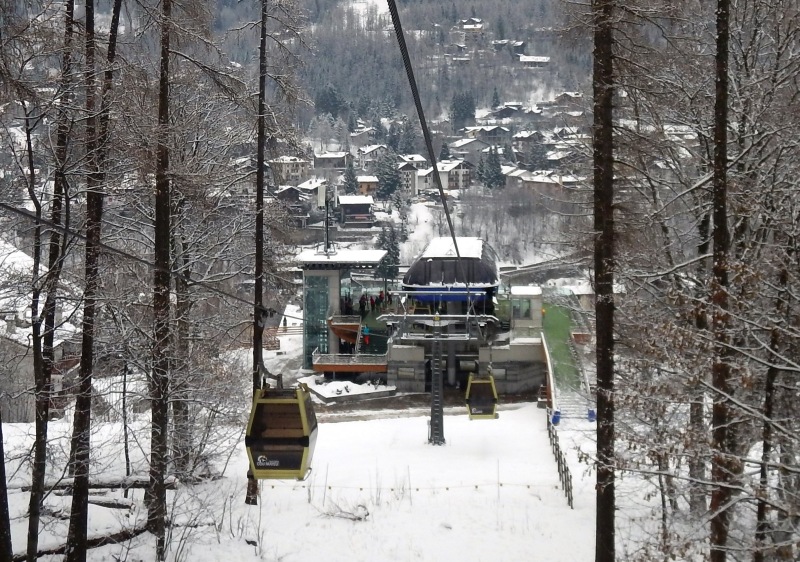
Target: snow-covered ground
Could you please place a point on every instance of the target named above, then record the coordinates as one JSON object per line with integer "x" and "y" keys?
{"x": 377, "y": 490}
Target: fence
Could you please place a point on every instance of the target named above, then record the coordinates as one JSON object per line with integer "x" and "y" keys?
{"x": 564, "y": 474}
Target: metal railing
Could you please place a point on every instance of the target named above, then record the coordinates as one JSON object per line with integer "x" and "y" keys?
{"x": 347, "y": 359}
{"x": 564, "y": 474}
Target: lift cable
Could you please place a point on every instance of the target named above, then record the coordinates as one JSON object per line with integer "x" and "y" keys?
{"x": 128, "y": 256}
{"x": 398, "y": 29}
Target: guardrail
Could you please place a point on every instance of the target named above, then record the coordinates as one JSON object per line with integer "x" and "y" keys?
{"x": 564, "y": 474}
{"x": 552, "y": 403}
{"x": 348, "y": 359}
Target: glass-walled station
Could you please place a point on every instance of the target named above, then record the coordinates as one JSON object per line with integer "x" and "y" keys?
{"x": 326, "y": 282}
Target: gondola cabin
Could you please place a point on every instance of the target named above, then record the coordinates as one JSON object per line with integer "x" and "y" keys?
{"x": 281, "y": 434}
{"x": 481, "y": 398}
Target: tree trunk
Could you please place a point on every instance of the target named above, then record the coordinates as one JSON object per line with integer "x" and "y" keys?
{"x": 722, "y": 461}
{"x": 697, "y": 418}
{"x": 182, "y": 446}
{"x": 43, "y": 353}
{"x": 6, "y": 549}
{"x": 156, "y": 496}
{"x": 81, "y": 432}
{"x": 251, "y": 496}
{"x": 603, "y": 161}
{"x": 762, "y": 524}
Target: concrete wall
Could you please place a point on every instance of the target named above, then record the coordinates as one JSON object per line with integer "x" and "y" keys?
{"x": 518, "y": 367}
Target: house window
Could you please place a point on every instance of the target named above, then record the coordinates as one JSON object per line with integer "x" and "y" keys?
{"x": 521, "y": 308}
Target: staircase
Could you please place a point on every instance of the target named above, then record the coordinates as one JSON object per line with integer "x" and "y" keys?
{"x": 571, "y": 404}
{"x": 436, "y": 431}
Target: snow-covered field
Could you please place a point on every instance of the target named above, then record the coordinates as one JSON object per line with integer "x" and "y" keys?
{"x": 377, "y": 491}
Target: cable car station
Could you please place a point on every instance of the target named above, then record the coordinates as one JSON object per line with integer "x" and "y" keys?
{"x": 450, "y": 325}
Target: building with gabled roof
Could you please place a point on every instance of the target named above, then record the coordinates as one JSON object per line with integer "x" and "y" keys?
{"x": 368, "y": 155}
{"x": 290, "y": 169}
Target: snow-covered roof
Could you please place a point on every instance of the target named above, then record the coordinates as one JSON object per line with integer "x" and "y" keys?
{"x": 356, "y": 199}
{"x": 313, "y": 183}
{"x": 413, "y": 158}
{"x": 526, "y": 291}
{"x": 460, "y": 143}
{"x": 288, "y": 160}
{"x": 442, "y": 166}
{"x": 468, "y": 247}
{"x": 336, "y": 257}
{"x": 370, "y": 148}
{"x": 331, "y": 155}
{"x": 367, "y": 179}
{"x": 533, "y": 58}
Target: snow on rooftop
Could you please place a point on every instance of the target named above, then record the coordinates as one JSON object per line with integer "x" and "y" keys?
{"x": 365, "y": 257}
{"x": 356, "y": 199}
{"x": 526, "y": 291}
{"x": 468, "y": 247}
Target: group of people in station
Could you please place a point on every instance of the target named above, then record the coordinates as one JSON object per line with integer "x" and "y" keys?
{"x": 367, "y": 304}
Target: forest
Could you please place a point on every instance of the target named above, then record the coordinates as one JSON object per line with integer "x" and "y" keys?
{"x": 134, "y": 136}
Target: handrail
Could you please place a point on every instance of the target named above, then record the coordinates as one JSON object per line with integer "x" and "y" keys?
{"x": 564, "y": 475}
{"x": 348, "y": 359}
{"x": 552, "y": 402}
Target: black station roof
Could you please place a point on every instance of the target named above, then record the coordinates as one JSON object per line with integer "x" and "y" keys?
{"x": 438, "y": 266}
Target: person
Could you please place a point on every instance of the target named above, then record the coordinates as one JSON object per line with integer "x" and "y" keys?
{"x": 365, "y": 332}
{"x": 372, "y": 303}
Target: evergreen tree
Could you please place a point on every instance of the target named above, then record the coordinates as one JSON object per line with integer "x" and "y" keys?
{"x": 508, "y": 153}
{"x": 495, "y": 98}
{"x": 444, "y": 153}
{"x": 389, "y": 180}
{"x": 493, "y": 173}
{"x": 389, "y": 266}
{"x": 350, "y": 180}
{"x": 393, "y": 138}
{"x": 462, "y": 110}
{"x": 480, "y": 173}
{"x": 329, "y": 101}
{"x": 537, "y": 157}
{"x": 407, "y": 141}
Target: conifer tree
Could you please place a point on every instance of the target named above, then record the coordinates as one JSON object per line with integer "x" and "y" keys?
{"x": 389, "y": 180}
{"x": 444, "y": 153}
{"x": 493, "y": 172}
{"x": 350, "y": 183}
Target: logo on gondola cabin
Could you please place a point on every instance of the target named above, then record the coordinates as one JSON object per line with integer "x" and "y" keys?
{"x": 262, "y": 461}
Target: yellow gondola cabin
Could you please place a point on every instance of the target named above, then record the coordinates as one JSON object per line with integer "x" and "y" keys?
{"x": 481, "y": 398}
{"x": 281, "y": 434}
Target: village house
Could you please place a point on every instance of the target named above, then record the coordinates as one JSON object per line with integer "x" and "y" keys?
{"x": 355, "y": 211}
{"x": 290, "y": 169}
{"x": 416, "y": 160}
{"x": 296, "y": 204}
{"x": 367, "y": 185}
{"x": 336, "y": 161}
{"x": 533, "y": 61}
{"x": 472, "y": 29}
{"x": 454, "y": 174}
{"x": 368, "y": 155}
{"x": 408, "y": 177}
{"x": 467, "y": 149}
{"x": 490, "y": 134}
{"x": 316, "y": 190}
